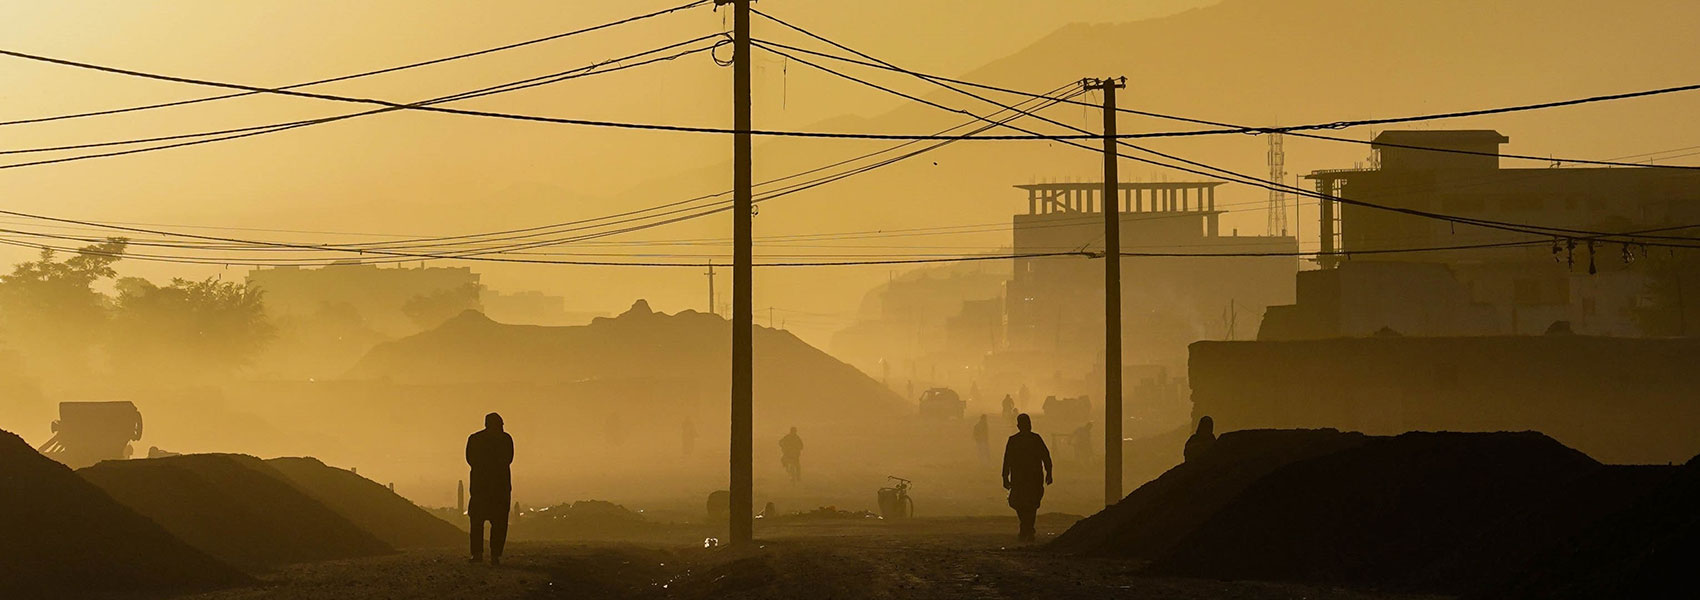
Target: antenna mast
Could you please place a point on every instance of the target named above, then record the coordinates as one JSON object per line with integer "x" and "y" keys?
{"x": 1278, "y": 177}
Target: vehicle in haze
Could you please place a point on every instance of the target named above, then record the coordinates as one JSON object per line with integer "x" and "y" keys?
{"x": 942, "y": 403}
{"x": 89, "y": 432}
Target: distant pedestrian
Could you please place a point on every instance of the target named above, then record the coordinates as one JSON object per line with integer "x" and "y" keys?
{"x": 490, "y": 453}
{"x": 791, "y": 455}
{"x": 983, "y": 438}
{"x": 1009, "y": 411}
{"x": 1025, "y": 459}
{"x": 1082, "y": 440}
{"x": 1201, "y": 441}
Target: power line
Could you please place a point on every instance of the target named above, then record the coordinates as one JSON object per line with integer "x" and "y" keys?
{"x": 1231, "y": 175}
{"x": 480, "y": 253}
{"x": 244, "y": 132}
{"x": 1016, "y": 112}
{"x": 774, "y": 194}
{"x": 367, "y": 73}
{"x": 844, "y": 263}
{"x": 1298, "y": 130}
{"x": 509, "y": 116}
{"x": 849, "y": 263}
{"x": 826, "y": 135}
{"x": 916, "y": 138}
{"x": 679, "y": 128}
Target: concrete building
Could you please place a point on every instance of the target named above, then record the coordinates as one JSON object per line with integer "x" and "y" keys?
{"x": 531, "y": 308}
{"x": 1055, "y": 306}
{"x": 1521, "y": 286}
{"x": 1616, "y": 399}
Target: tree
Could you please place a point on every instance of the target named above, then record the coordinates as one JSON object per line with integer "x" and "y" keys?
{"x": 188, "y": 329}
{"x": 430, "y": 310}
{"x": 50, "y": 313}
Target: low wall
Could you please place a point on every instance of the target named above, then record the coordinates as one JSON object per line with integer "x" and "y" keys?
{"x": 1619, "y": 400}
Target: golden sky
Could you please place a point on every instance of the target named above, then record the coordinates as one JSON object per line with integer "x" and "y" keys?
{"x": 429, "y": 174}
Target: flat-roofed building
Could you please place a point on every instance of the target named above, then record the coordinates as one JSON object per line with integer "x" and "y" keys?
{"x": 1055, "y": 305}
{"x": 1518, "y": 282}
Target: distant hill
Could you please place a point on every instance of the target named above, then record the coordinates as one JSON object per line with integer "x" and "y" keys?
{"x": 644, "y": 351}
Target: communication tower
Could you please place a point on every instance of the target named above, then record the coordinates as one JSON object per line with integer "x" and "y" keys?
{"x": 1277, "y": 178}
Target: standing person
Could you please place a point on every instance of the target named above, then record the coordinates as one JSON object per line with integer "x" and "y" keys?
{"x": 1024, "y": 458}
{"x": 791, "y": 455}
{"x": 1009, "y": 411}
{"x": 1201, "y": 441}
{"x": 490, "y": 453}
{"x": 983, "y": 438}
{"x": 1083, "y": 443}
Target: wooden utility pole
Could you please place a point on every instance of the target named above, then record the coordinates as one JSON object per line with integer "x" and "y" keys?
{"x": 742, "y": 529}
{"x": 710, "y": 275}
{"x": 1112, "y": 294}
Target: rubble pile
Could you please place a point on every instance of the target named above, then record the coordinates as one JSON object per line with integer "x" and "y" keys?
{"x": 61, "y": 536}
{"x": 1419, "y": 510}
{"x": 1452, "y": 513}
{"x": 579, "y": 519}
{"x": 373, "y": 507}
{"x": 1149, "y": 521}
{"x": 235, "y": 508}
{"x": 1647, "y": 549}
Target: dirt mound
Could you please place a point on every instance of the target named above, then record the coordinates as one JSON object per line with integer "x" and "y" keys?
{"x": 1646, "y": 550}
{"x": 1432, "y": 512}
{"x": 826, "y": 513}
{"x": 688, "y": 350}
{"x": 1406, "y": 511}
{"x": 373, "y": 507}
{"x": 580, "y": 519}
{"x": 1149, "y": 521}
{"x": 235, "y": 508}
{"x": 64, "y": 537}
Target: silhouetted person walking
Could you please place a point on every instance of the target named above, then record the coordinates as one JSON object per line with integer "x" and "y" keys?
{"x": 490, "y": 453}
{"x": 791, "y": 454}
{"x": 1025, "y": 459}
{"x": 1201, "y": 441}
{"x": 1082, "y": 440}
{"x": 983, "y": 438}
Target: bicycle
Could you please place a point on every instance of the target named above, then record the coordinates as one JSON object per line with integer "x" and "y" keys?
{"x": 894, "y": 501}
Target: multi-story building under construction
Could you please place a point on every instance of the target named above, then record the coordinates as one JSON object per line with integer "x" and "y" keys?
{"x": 1055, "y": 305}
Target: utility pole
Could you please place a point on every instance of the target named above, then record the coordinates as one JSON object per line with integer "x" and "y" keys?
{"x": 742, "y": 526}
{"x": 1112, "y": 294}
{"x": 710, "y": 274}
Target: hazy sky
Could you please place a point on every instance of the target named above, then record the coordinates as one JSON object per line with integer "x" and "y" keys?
{"x": 426, "y": 174}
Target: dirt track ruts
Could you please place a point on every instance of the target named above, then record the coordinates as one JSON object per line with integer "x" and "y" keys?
{"x": 962, "y": 558}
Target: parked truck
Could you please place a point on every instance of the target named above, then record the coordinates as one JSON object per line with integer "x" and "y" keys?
{"x": 942, "y": 403}
{"x": 90, "y": 432}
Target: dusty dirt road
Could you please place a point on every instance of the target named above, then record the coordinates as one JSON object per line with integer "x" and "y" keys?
{"x": 925, "y": 559}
